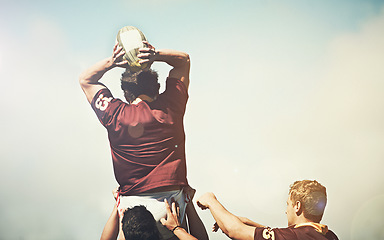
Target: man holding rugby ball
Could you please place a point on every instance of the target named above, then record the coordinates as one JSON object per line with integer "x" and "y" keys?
{"x": 146, "y": 133}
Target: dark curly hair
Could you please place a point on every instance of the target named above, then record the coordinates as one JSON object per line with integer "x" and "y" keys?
{"x": 143, "y": 82}
{"x": 139, "y": 224}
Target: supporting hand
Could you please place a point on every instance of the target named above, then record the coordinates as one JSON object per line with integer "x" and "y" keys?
{"x": 215, "y": 227}
{"x": 147, "y": 55}
{"x": 172, "y": 220}
{"x": 173, "y": 224}
{"x": 204, "y": 201}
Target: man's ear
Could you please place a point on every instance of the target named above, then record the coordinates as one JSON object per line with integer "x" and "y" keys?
{"x": 298, "y": 207}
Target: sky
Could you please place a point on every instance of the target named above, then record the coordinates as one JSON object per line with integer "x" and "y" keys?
{"x": 280, "y": 91}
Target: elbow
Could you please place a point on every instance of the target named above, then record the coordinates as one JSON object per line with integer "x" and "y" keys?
{"x": 182, "y": 60}
{"x": 82, "y": 80}
{"x": 187, "y": 59}
{"x": 233, "y": 231}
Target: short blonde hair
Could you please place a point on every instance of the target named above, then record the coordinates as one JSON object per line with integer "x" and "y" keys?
{"x": 312, "y": 196}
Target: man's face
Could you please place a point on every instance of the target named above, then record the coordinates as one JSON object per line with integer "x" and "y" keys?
{"x": 291, "y": 213}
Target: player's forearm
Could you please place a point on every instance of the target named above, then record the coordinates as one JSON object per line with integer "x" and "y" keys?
{"x": 111, "y": 229}
{"x": 93, "y": 74}
{"x": 250, "y": 222}
{"x": 223, "y": 217}
{"x": 229, "y": 223}
{"x": 172, "y": 57}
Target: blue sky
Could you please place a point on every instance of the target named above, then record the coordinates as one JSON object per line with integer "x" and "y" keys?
{"x": 280, "y": 91}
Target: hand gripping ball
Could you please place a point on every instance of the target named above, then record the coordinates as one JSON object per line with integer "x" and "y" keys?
{"x": 131, "y": 39}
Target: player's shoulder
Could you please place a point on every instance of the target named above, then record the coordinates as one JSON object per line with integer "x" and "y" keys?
{"x": 173, "y": 80}
{"x": 103, "y": 99}
{"x": 291, "y": 233}
{"x": 176, "y": 84}
{"x": 331, "y": 235}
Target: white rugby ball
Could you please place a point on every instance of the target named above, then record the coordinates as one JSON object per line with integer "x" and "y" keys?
{"x": 131, "y": 39}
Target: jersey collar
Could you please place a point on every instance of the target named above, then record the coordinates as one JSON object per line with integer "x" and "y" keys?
{"x": 323, "y": 229}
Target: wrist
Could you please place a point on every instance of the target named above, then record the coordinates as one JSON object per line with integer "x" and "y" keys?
{"x": 211, "y": 200}
{"x": 178, "y": 227}
{"x": 109, "y": 64}
{"x": 157, "y": 55}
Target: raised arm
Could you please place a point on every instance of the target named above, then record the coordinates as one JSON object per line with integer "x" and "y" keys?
{"x": 230, "y": 224}
{"x": 111, "y": 228}
{"x": 249, "y": 222}
{"x": 89, "y": 79}
{"x": 178, "y": 60}
{"x": 244, "y": 220}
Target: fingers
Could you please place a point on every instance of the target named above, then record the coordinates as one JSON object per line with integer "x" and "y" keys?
{"x": 171, "y": 220}
{"x": 167, "y": 207}
{"x": 201, "y": 205}
{"x": 215, "y": 227}
{"x": 163, "y": 221}
{"x": 148, "y": 44}
{"x": 142, "y": 61}
{"x": 117, "y": 56}
{"x": 115, "y": 192}
{"x": 146, "y": 50}
{"x": 174, "y": 211}
{"x": 115, "y": 47}
{"x": 122, "y": 63}
{"x": 146, "y": 54}
{"x": 120, "y": 54}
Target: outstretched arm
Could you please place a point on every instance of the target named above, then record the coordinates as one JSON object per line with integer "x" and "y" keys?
{"x": 111, "y": 228}
{"x": 173, "y": 224}
{"x": 230, "y": 224}
{"x": 249, "y": 222}
{"x": 89, "y": 79}
{"x": 178, "y": 60}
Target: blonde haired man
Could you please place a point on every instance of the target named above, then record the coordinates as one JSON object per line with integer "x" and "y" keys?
{"x": 305, "y": 207}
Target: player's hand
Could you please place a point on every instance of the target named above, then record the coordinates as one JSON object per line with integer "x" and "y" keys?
{"x": 117, "y": 57}
{"x": 147, "y": 54}
{"x": 215, "y": 227}
{"x": 115, "y": 192}
{"x": 172, "y": 216}
{"x": 205, "y": 199}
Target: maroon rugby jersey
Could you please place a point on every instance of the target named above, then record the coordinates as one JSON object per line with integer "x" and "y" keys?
{"x": 147, "y": 139}
{"x": 292, "y": 233}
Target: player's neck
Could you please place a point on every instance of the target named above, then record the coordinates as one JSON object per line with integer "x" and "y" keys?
{"x": 317, "y": 226}
{"x": 143, "y": 97}
{"x": 146, "y": 98}
{"x": 302, "y": 220}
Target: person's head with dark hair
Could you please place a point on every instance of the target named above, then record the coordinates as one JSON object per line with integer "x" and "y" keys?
{"x": 308, "y": 199}
{"x": 138, "y": 224}
{"x": 140, "y": 83}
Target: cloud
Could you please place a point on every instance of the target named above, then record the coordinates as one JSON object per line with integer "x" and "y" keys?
{"x": 248, "y": 135}
{"x": 338, "y": 134}
{"x": 324, "y": 125}
{"x": 46, "y": 149}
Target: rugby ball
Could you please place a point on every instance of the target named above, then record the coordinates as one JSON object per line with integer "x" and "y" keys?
{"x": 131, "y": 39}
